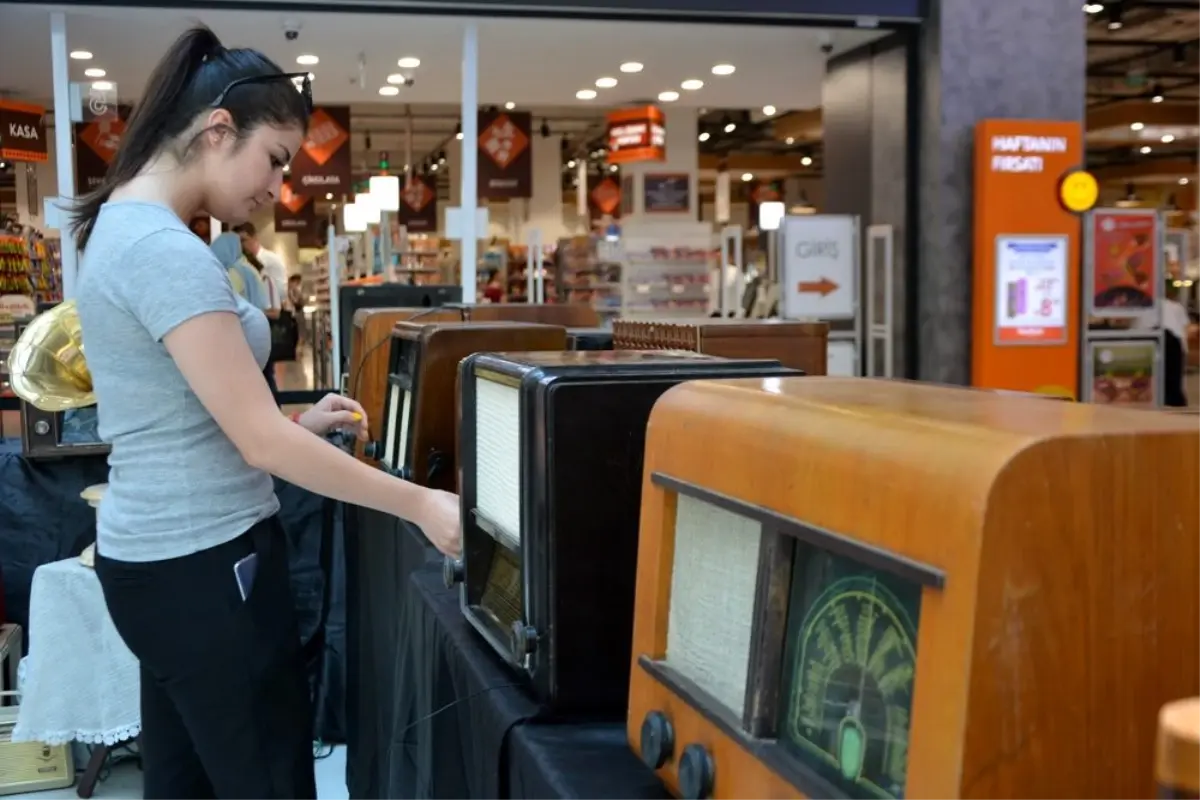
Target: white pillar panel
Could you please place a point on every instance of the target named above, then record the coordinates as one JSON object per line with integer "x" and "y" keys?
{"x": 63, "y": 155}
{"x": 546, "y": 206}
{"x": 470, "y": 159}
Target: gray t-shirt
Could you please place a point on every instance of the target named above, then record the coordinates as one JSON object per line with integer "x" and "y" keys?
{"x": 177, "y": 484}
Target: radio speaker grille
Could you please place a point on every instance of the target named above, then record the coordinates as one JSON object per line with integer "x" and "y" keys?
{"x": 713, "y": 582}
{"x": 498, "y": 456}
{"x": 395, "y": 448}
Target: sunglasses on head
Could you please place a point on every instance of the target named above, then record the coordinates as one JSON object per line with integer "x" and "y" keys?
{"x": 304, "y": 86}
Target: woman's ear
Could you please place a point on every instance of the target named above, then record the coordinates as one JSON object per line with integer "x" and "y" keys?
{"x": 218, "y": 125}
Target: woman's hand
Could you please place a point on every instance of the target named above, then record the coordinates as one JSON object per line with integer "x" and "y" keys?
{"x": 335, "y": 412}
{"x": 440, "y": 521}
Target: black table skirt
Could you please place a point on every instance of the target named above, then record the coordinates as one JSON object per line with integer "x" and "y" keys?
{"x": 577, "y": 761}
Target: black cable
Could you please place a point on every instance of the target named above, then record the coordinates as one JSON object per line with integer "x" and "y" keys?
{"x": 451, "y": 705}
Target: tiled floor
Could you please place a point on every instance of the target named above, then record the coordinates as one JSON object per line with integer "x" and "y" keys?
{"x": 125, "y": 782}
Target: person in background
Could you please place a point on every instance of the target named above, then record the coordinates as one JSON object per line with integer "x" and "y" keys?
{"x": 245, "y": 279}
{"x": 295, "y": 299}
{"x": 1175, "y": 323}
{"x": 190, "y": 552}
{"x": 272, "y": 265}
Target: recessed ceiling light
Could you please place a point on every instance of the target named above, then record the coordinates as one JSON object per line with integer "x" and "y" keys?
{"x": 1168, "y": 138}
{"x": 692, "y": 84}
{"x": 102, "y": 86}
{"x": 631, "y": 67}
{"x": 1146, "y": 150}
{"x": 806, "y": 161}
{"x": 668, "y": 97}
{"x": 1093, "y": 8}
{"x": 397, "y": 79}
{"x": 704, "y": 137}
{"x": 510, "y": 105}
{"x": 81, "y": 55}
{"x": 730, "y": 127}
{"x": 613, "y": 168}
{"x": 329, "y": 195}
{"x": 585, "y": 94}
{"x": 94, "y": 72}
{"x": 747, "y": 177}
{"x": 389, "y": 91}
{"x": 1183, "y": 181}
{"x": 1136, "y": 126}
{"x": 409, "y": 62}
{"x": 790, "y": 140}
{"x": 605, "y": 83}
{"x": 724, "y": 69}
{"x": 769, "y": 111}
{"x": 307, "y": 60}
{"x": 571, "y": 164}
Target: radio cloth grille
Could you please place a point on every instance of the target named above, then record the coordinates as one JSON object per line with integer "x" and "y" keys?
{"x": 498, "y": 456}
{"x": 713, "y": 581}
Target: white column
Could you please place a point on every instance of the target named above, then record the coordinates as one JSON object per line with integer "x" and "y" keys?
{"x": 470, "y": 159}
{"x": 546, "y": 206}
{"x": 581, "y": 192}
{"x": 62, "y": 146}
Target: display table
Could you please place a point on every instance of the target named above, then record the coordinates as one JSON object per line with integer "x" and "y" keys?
{"x": 582, "y": 761}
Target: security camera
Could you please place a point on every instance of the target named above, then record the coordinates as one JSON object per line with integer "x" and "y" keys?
{"x": 825, "y": 42}
{"x": 291, "y": 29}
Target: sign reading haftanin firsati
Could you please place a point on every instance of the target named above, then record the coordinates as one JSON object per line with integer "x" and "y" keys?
{"x": 1024, "y": 153}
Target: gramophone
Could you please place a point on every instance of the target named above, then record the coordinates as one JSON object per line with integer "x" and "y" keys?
{"x": 550, "y": 463}
{"x": 47, "y": 371}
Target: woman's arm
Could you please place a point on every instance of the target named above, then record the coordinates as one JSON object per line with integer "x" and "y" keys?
{"x": 212, "y": 354}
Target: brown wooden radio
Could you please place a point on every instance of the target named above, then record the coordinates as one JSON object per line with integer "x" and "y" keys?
{"x": 368, "y": 365}
{"x": 418, "y": 437}
{"x": 569, "y": 315}
{"x": 799, "y": 345}
{"x": 871, "y": 588}
{"x": 1177, "y": 751}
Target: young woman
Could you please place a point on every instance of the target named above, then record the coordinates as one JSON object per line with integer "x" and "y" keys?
{"x": 189, "y": 552}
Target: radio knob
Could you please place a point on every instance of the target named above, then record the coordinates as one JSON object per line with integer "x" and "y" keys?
{"x": 522, "y": 641}
{"x": 373, "y": 450}
{"x": 696, "y": 773}
{"x": 452, "y": 571}
{"x": 658, "y": 739}
{"x": 41, "y": 427}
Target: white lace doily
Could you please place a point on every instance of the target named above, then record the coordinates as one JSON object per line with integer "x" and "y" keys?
{"x": 79, "y": 681}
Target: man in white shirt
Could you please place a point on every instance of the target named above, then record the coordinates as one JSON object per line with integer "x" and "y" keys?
{"x": 273, "y": 269}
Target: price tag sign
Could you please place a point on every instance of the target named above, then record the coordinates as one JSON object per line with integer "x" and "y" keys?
{"x": 1031, "y": 290}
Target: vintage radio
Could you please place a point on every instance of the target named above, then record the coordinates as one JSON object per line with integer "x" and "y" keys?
{"x": 370, "y": 345}
{"x": 60, "y": 434}
{"x": 800, "y": 345}
{"x": 589, "y": 339}
{"x": 352, "y": 299}
{"x": 569, "y": 315}
{"x": 419, "y": 430}
{"x": 1177, "y": 750}
{"x": 870, "y": 588}
{"x": 550, "y": 452}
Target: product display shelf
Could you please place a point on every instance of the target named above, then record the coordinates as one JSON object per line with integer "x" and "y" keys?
{"x": 589, "y": 271}
{"x": 45, "y": 270}
{"x": 518, "y": 278}
{"x": 666, "y": 280}
{"x": 16, "y": 265}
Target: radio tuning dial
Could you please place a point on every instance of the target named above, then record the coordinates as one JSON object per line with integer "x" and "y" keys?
{"x": 658, "y": 739}
{"x": 41, "y": 427}
{"x": 452, "y": 571}
{"x": 373, "y": 450}
{"x": 696, "y": 773}
{"x": 522, "y": 641}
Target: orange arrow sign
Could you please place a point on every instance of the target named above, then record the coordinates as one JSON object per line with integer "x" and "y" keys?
{"x": 822, "y": 287}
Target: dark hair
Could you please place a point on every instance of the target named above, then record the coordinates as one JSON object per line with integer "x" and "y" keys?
{"x": 246, "y": 228}
{"x": 195, "y": 71}
{"x": 252, "y": 260}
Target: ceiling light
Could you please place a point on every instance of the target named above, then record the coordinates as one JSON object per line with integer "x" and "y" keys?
{"x": 1168, "y": 138}
{"x": 806, "y": 161}
{"x": 102, "y": 86}
{"x": 1137, "y": 126}
{"x": 769, "y": 111}
{"x": 571, "y": 164}
{"x": 433, "y": 167}
{"x": 1156, "y": 95}
{"x": 747, "y": 177}
{"x": 631, "y": 67}
{"x": 510, "y": 105}
{"x": 585, "y": 94}
{"x": 705, "y": 136}
{"x": 668, "y": 97}
{"x": 1093, "y": 8}
{"x": 1183, "y": 181}
{"x": 605, "y": 83}
{"x": 1114, "y": 18}
{"x": 1146, "y": 150}
{"x": 458, "y": 136}
{"x": 389, "y": 91}
{"x": 329, "y": 195}
{"x": 691, "y": 84}
{"x": 457, "y": 133}
{"x": 730, "y": 127}
{"x": 409, "y": 62}
{"x": 613, "y": 168}
{"x": 790, "y": 140}
{"x": 397, "y": 79}
{"x": 307, "y": 60}
{"x": 724, "y": 69}
{"x": 81, "y": 55}
{"x": 94, "y": 72}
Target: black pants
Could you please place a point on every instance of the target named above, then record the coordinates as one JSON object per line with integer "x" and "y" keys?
{"x": 1174, "y": 359}
{"x": 226, "y": 711}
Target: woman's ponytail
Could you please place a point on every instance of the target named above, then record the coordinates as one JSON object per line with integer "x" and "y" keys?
{"x": 158, "y": 117}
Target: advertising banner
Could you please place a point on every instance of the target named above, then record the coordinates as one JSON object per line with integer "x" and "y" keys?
{"x": 22, "y": 132}
{"x": 505, "y": 154}
{"x": 1124, "y": 268}
{"x": 96, "y": 146}
{"x": 604, "y": 197}
{"x": 1124, "y": 372}
{"x": 666, "y": 193}
{"x": 636, "y": 134}
{"x": 297, "y": 213}
{"x": 323, "y": 163}
{"x": 418, "y": 205}
{"x": 1031, "y": 289}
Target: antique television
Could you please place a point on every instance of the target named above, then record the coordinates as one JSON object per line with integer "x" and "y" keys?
{"x": 419, "y": 430}
{"x": 800, "y": 345}
{"x": 370, "y": 345}
{"x": 569, "y": 315}
{"x": 388, "y": 295}
{"x": 870, "y": 588}
{"x": 551, "y": 451}
{"x": 589, "y": 339}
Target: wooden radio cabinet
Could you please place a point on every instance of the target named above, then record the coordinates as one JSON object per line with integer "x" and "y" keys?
{"x": 872, "y": 588}
{"x": 799, "y": 345}
{"x": 569, "y": 315}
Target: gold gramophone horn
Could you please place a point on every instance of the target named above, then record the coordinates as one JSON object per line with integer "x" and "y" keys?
{"x": 46, "y": 366}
